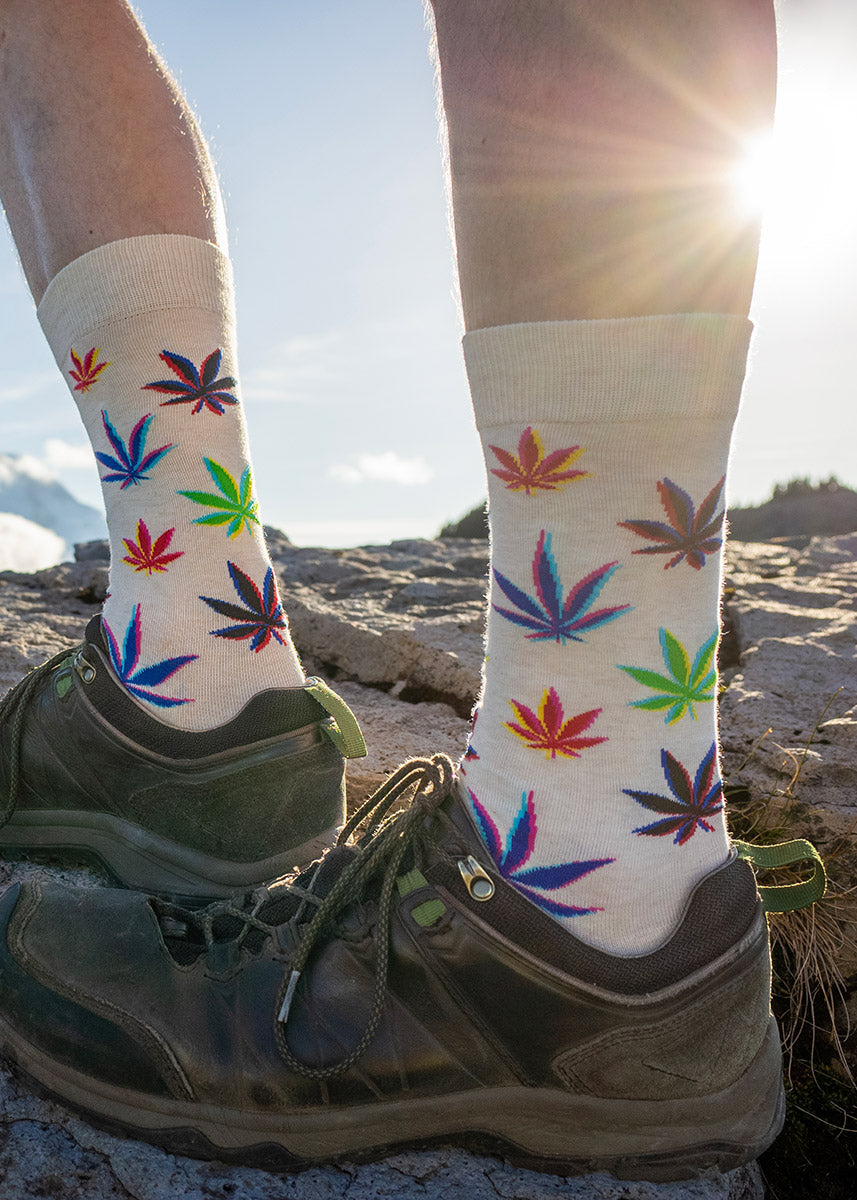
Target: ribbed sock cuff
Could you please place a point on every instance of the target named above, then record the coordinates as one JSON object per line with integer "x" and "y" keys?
{"x": 628, "y": 369}
{"x": 124, "y": 279}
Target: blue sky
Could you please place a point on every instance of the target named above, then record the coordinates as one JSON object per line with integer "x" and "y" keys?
{"x": 322, "y": 122}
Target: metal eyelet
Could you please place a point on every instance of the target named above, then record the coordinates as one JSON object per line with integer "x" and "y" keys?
{"x": 479, "y": 883}
{"x": 85, "y": 669}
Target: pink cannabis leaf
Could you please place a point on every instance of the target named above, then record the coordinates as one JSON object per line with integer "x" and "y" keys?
{"x": 146, "y": 555}
{"x": 548, "y": 730}
{"x": 532, "y": 470}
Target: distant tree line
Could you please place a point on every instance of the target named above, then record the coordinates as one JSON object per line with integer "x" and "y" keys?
{"x": 797, "y": 508}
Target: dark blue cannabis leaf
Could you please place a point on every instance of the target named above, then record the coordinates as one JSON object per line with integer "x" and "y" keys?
{"x": 548, "y": 616}
{"x": 260, "y": 618}
{"x": 130, "y": 461}
{"x": 512, "y": 858}
{"x": 139, "y": 682}
{"x": 690, "y": 534}
{"x": 201, "y": 387}
{"x": 694, "y": 800}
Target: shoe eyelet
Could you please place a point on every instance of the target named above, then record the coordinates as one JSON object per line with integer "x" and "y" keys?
{"x": 479, "y": 883}
{"x": 85, "y": 669}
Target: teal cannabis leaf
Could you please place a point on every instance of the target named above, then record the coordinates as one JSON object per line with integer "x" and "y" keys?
{"x": 234, "y": 506}
{"x": 687, "y": 683}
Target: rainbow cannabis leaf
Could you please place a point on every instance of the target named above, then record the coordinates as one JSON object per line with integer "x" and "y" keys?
{"x": 130, "y": 462}
{"x": 235, "y": 505}
{"x": 691, "y": 534}
{"x": 262, "y": 617}
{"x": 512, "y": 858}
{"x": 687, "y": 683}
{"x": 547, "y": 730}
{"x": 201, "y": 388}
{"x": 86, "y": 370}
{"x": 549, "y": 617}
{"x": 140, "y": 682}
{"x": 143, "y": 555}
{"x": 694, "y": 800}
{"x": 531, "y": 470}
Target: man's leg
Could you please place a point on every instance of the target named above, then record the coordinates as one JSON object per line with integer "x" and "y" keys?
{"x": 414, "y": 986}
{"x": 114, "y": 206}
{"x": 591, "y": 146}
{"x": 591, "y": 157}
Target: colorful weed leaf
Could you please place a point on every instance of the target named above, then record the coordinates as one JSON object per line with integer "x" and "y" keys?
{"x": 128, "y": 463}
{"x": 146, "y": 555}
{"x": 690, "y": 534}
{"x": 548, "y": 729}
{"x": 532, "y": 470}
{"x": 547, "y": 615}
{"x": 199, "y": 387}
{"x": 234, "y": 506}
{"x": 512, "y": 858}
{"x": 687, "y": 684}
{"x": 87, "y": 369}
{"x": 259, "y": 617}
{"x": 693, "y": 801}
{"x": 140, "y": 680}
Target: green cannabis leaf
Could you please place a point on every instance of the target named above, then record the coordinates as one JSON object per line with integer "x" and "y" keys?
{"x": 234, "y": 507}
{"x": 687, "y": 683}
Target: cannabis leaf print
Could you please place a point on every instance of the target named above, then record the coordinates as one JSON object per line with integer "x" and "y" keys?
{"x": 547, "y": 615}
{"x": 690, "y": 534}
{"x": 687, "y": 683}
{"x": 87, "y": 369}
{"x": 234, "y": 506}
{"x": 532, "y": 470}
{"x": 259, "y": 618}
{"x": 140, "y": 681}
{"x": 512, "y": 858}
{"x": 128, "y": 463}
{"x": 146, "y": 555}
{"x": 548, "y": 729}
{"x": 693, "y": 801}
{"x": 199, "y": 387}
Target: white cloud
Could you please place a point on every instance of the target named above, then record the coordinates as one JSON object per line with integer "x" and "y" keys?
{"x": 389, "y": 467}
{"x": 65, "y": 456}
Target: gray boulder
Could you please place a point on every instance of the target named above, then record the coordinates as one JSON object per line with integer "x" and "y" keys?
{"x": 398, "y": 630}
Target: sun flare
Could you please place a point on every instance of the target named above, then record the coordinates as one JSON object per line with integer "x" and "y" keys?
{"x": 758, "y": 174}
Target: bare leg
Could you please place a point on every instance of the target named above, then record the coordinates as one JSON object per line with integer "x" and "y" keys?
{"x": 115, "y": 209}
{"x": 96, "y": 141}
{"x": 590, "y": 147}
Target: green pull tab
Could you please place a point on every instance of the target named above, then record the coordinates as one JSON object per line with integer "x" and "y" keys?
{"x": 789, "y": 896}
{"x": 343, "y": 730}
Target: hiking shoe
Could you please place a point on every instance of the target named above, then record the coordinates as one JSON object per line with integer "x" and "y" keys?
{"x": 84, "y": 767}
{"x": 399, "y": 992}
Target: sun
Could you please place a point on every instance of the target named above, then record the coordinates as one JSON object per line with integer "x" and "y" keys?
{"x": 801, "y": 174}
{"x": 758, "y": 175}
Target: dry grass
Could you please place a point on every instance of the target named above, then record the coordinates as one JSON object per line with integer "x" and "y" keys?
{"x": 807, "y": 945}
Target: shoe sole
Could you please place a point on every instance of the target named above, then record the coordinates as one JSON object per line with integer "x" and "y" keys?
{"x": 145, "y": 861}
{"x": 539, "y": 1128}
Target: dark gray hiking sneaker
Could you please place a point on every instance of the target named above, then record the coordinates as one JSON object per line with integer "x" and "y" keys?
{"x": 84, "y": 767}
{"x": 399, "y": 992}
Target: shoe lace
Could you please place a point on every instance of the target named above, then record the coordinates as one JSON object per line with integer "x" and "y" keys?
{"x": 311, "y": 903}
{"x": 14, "y": 704}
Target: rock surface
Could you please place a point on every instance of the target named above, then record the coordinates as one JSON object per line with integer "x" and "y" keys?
{"x": 398, "y": 629}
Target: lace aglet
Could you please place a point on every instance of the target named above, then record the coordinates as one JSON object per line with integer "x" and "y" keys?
{"x": 283, "y": 1014}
